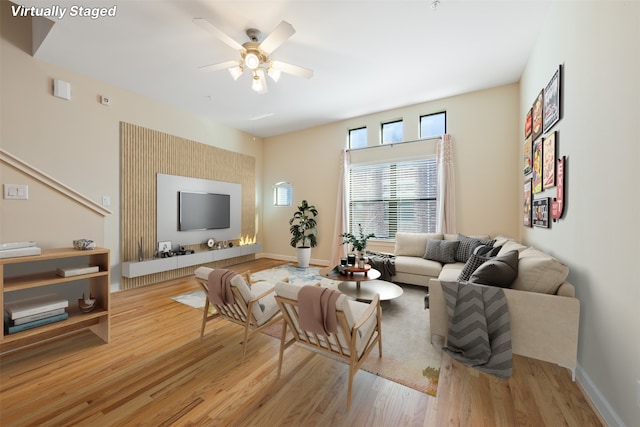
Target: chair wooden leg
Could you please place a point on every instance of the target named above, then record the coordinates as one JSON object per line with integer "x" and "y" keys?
{"x": 245, "y": 342}
{"x": 351, "y": 374}
{"x": 205, "y": 315}
{"x": 283, "y": 336}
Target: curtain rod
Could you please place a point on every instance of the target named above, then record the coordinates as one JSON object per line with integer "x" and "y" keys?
{"x": 394, "y": 144}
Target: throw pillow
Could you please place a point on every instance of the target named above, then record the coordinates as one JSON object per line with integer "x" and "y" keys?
{"x": 441, "y": 250}
{"x": 499, "y": 271}
{"x": 487, "y": 251}
{"x": 471, "y": 266}
{"x": 467, "y": 245}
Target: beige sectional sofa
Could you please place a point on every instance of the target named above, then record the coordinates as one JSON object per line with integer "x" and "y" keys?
{"x": 543, "y": 311}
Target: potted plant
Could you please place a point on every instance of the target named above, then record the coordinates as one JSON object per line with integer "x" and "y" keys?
{"x": 303, "y": 232}
{"x": 358, "y": 242}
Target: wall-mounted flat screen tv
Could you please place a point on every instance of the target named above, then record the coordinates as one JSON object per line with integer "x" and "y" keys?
{"x": 203, "y": 211}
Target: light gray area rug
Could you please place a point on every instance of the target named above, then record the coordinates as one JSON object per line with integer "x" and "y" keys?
{"x": 408, "y": 357}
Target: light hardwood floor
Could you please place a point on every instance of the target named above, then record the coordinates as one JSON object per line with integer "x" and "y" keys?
{"x": 157, "y": 372}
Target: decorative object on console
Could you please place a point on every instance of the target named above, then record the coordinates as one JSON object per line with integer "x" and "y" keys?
{"x": 541, "y": 212}
{"x": 164, "y": 247}
{"x": 549, "y": 161}
{"x": 84, "y": 244}
{"x": 211, "y": 243}
{"x": 551, "y": 106}
{"x": 140, "y": 253}
{"x": 303, "y": 231}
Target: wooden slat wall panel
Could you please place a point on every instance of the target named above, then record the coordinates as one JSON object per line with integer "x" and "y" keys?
{"x": 146, "y": 152}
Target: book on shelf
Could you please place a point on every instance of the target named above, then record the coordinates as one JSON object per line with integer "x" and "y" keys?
{"x": 37, "y": 316}
{"x": 29, "y": 306}
{"x": 16, "y": 245}
{"x": 36, "y": 323}
{"x": 19, "y": 252}
{"x": 76, "y": 271}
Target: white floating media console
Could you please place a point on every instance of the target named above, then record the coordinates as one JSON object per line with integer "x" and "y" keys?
{"x": 158, "y": 265}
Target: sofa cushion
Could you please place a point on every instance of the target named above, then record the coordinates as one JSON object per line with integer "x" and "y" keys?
{"x": 417, "y": 265}
{"x": 539, "y": 272}
{"x": 467, "y": 245}
{"x": 413, "y": 244}
{"x": 487, "y": 250}
{"x": 511, "y": 245}
{"x": 498, "y": 271}
{"x": 443, "y": 251}
{"x": 470, "y": 266}
{"x": 450, "y": 272}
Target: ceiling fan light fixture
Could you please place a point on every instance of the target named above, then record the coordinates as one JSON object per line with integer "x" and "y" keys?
{"x": 235, "y": 72}
{"x": 259, "y": 82}
{"x": 252, "y": 60}
{"x": 274, "y": 73}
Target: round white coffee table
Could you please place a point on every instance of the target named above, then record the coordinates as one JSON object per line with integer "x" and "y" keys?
{"x": 362, "y": 286}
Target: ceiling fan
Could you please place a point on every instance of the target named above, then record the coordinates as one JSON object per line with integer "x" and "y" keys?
{"x": 255, "y": 55}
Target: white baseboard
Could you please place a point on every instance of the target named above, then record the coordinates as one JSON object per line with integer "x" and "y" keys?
{"x": 600, "y": 403}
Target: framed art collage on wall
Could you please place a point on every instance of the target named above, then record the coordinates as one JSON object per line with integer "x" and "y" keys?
{"x": 540, "y": 157}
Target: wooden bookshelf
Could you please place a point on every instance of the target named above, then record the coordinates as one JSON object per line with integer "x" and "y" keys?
{"x": 36, "y": 273}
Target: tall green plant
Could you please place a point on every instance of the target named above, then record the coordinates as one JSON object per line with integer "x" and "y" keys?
{"x": 303, "y": 226}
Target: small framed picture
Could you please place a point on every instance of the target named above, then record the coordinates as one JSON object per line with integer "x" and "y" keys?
{"x": 526, "y": 203}
{"x": 527, "y": 124}
{"x": 537, "y": 111}
{"x": 537, "y": 166}
{"x": 164, "y": 246}
{"x": 527, "y": 157}
{"x": 549, "y": 161}
{"x": 540, "y": 211}
{"x": 551, "y": 106}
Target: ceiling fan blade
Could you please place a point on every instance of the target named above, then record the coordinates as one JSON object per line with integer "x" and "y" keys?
{"x": 292, "y": 69}
{"x": 208, "y": 26}
{"x": 279, "y": 35}
{"x": 219, "y": 66}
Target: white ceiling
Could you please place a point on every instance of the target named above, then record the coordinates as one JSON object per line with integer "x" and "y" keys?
{"x": 367, "y": 56}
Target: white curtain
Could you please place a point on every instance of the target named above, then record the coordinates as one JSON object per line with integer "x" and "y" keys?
{"x": 339, "y": 250}
{"x": 446, "y": 193}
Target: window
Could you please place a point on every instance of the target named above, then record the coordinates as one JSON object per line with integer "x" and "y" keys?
{"x": 392, "y": 131}
{"x": 390, "y": 197}
{"x": 282, "y": 194}
{"x": 433, "y": 125}
{"x": 358, "y": 138}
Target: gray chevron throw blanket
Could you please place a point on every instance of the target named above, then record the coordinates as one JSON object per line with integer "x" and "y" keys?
{"x": 479, "y": 328}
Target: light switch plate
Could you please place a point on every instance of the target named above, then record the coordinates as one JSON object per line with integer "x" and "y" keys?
{"x": 16, "y": 192}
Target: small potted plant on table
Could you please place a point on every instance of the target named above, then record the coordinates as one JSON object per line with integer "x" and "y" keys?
{"x": 358, "y": 242}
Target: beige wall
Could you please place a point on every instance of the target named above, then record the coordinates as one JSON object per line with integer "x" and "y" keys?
{"x": 598, "y": 235}
{"x": 484, "y": 126}
{"x": 77, "y": 141}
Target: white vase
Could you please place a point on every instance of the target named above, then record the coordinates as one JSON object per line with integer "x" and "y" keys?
{"x": 304, "y": 255}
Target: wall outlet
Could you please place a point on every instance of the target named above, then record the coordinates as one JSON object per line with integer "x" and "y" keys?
{"x": 106, "y": 200}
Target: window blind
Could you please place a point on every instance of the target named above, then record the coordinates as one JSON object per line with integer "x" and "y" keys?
{"x": 390, "y": 197}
